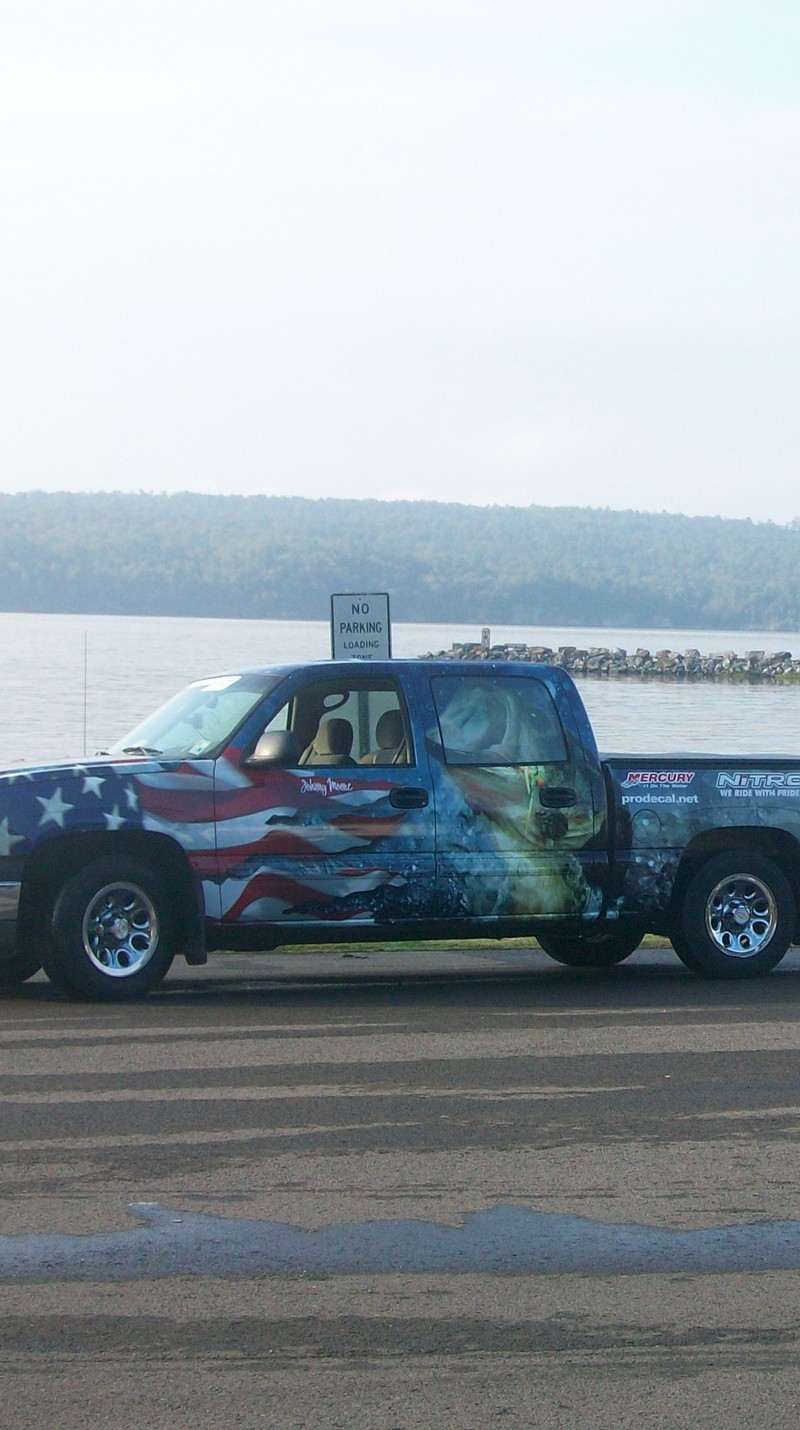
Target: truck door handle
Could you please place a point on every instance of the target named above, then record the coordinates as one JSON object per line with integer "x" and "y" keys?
{"x": 408, "y": 797}
{"x": 557, "y": 797}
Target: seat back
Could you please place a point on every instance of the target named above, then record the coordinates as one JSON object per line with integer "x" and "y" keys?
{"x": 331, "y": 745}
{"x": 391, "y": 741}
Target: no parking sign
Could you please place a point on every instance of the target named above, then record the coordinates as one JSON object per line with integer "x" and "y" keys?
{"x": 360, "y": 626}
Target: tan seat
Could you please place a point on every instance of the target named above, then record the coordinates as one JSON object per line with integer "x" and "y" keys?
{"x": 331, "y": 745}
{"x": 391, "y": 741}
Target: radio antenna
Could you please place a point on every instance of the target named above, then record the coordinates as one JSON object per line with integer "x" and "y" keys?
{"x": 85, "y": 684}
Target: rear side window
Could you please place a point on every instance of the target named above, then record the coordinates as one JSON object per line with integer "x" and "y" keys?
{"x": 499, "y": 721}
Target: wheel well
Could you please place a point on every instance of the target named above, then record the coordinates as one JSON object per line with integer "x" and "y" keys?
{"x": 774, "y": 844}
{"x": 58, "y": 859}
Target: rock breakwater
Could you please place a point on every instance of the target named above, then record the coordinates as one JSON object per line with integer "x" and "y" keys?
{"x": 614, "y": 663}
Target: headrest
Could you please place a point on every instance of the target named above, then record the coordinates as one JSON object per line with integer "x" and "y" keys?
{"x": 334, "y": 737}
{"x": 389, "y": 731}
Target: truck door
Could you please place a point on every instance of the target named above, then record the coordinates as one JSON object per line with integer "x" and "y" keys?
{"x": 513, "y": 800}
{"x": 340, "y": 830}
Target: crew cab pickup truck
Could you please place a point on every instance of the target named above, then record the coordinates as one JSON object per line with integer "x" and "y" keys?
{"x": 397, "y": 800}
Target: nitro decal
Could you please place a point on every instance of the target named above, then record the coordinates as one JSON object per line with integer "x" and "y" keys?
{"x": 659, "y": 787}
{"x": 767, "y": 784}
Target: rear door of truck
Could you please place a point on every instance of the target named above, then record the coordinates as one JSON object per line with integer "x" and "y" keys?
{"x": 518, "y": 812}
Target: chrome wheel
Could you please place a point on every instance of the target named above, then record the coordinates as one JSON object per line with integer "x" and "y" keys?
{"x": 113, "y": 931}
{"x": 736, "y": 917}
{"x": 741, "y": 916}
{"x": 120, "y": 930}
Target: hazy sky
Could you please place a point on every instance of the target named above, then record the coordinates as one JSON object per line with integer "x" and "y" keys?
{"x": 474, "y": 250}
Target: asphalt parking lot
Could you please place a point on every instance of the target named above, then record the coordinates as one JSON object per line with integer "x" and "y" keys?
{"x": 389, "y": 1189}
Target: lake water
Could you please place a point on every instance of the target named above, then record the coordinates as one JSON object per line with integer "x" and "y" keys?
{"x": 74, "y": 684}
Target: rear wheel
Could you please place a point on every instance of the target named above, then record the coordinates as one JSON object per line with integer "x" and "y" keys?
{"x": 684, "y": 952}
{"x": 738, "y": 917}
{"x": 113, "y": 932}
{"x": 591, "y": 950}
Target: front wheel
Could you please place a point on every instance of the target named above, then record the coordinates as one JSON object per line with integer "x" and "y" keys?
{"x": 14, "y": 971}
{"x": 591, "y": 950}
{"x": 738, "y": 917}
{"x": 113, "y": 932}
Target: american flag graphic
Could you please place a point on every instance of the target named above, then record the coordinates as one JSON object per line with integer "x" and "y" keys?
{"x": 287, "y": 845}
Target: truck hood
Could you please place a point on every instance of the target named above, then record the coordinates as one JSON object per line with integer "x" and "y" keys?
{"x": 78, "y": 769}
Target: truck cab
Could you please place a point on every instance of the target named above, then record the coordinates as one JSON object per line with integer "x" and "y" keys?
{"x": 336, "y": 800}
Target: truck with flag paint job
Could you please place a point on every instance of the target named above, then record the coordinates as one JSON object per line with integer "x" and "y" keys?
{"x": 346, "y": 800}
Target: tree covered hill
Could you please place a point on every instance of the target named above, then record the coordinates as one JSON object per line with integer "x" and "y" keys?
{"x": 281, "y": 557}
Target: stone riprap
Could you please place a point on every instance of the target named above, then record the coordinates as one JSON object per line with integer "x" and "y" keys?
{"x": 613, "y": 662}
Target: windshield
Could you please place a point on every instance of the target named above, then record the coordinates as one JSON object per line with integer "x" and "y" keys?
{"x": 201, "y": 719}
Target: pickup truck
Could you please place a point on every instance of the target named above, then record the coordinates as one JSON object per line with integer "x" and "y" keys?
{"x": 347, "y": 800}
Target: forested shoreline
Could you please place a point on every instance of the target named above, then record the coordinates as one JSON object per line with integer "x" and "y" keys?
{"x": 281, "y": 557}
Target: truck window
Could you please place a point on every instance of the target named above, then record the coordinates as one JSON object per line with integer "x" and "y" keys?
{"x": 200, "y": 719}
{"x": 497, "y": 721}
{"x": 370, "y": 713}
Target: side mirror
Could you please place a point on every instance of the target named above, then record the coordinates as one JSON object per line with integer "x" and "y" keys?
{"x": 275, "y": 747}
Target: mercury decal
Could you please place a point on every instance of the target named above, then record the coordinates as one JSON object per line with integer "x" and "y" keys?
{"x": 658, "y": 777}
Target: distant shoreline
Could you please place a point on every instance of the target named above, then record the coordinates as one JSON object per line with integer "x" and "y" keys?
{"x": 281, "y": 558}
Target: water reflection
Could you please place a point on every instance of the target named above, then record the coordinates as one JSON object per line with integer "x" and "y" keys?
{"x": 504, "y": 1240}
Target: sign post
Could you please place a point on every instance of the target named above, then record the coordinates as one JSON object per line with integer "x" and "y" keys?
{"x": 360, "y": 626}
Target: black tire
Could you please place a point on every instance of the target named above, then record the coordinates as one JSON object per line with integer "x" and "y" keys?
{"x": 113, "y": 932}
{"x": 684, "y": 952}
{"x": 14, "y": 971}
{"x": 591, "y": 950}
{"x": 737, "y": 919}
